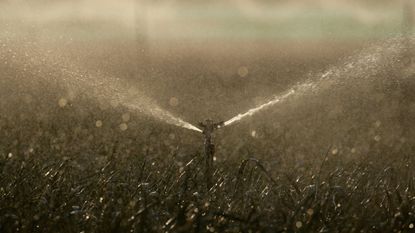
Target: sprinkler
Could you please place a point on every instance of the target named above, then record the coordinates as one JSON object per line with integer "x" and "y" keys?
{"x": 208, "y": 127}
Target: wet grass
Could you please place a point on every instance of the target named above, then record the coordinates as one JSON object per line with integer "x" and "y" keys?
{"x": 60, "y": 173}
{"x": 45, "y": 193}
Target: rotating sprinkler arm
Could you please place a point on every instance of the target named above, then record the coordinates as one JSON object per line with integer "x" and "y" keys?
{"x": 208, "y": 126}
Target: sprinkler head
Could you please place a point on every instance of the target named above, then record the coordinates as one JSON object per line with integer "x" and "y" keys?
{"x": 209, "y": 125}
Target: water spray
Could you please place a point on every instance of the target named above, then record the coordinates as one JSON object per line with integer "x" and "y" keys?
{"x": 365, "y": 65}
{"x": 103, "y": 88}
{"x": 208, "y": 127}
{"x": 252, "y": 111}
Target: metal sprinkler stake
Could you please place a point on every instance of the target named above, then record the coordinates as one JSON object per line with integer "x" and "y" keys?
{"x": 207, "y": 130}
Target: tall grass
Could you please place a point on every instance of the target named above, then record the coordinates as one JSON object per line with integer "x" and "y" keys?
{"x": 43, "y": 193}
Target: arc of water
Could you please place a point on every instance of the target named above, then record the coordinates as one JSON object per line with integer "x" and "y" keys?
{"x": 102, "y": 88}
{"x": 252, "y": 111}
{"x": 166, "y": 116}
{"x": 145, "y": 106}
{"x": 366, "y": 64}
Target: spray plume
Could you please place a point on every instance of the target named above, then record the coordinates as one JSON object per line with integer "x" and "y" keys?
{"x": 259, "y": 108}
{"x": 114, "y": 90}
{"x": 366, "y": 64}
{"x": 47, "y": 67}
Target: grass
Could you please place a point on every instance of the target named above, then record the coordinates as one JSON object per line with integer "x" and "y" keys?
{"x": 60, "y": 173}
{"x": 44, "y": 193}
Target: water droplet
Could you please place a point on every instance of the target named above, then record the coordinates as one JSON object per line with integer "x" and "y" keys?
{"x": 174, "y": 101}
{"x": 98, "y": 123}
{"x": 132, "y": 203}
{"x": 123, "y": 127}
{"x": 62, "y": 102}
{"x": 411, "y": 226}
{"x": 243, "y": 71}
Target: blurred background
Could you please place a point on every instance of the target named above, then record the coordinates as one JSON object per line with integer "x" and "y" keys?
{"x": 204, "y": 59}
{"x": 165, "y": 44}
{"x": 215, "y": 20}
{"x": 220, "y": 20}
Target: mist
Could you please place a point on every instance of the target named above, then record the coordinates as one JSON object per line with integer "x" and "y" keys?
{"x": 193, "y": 116}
